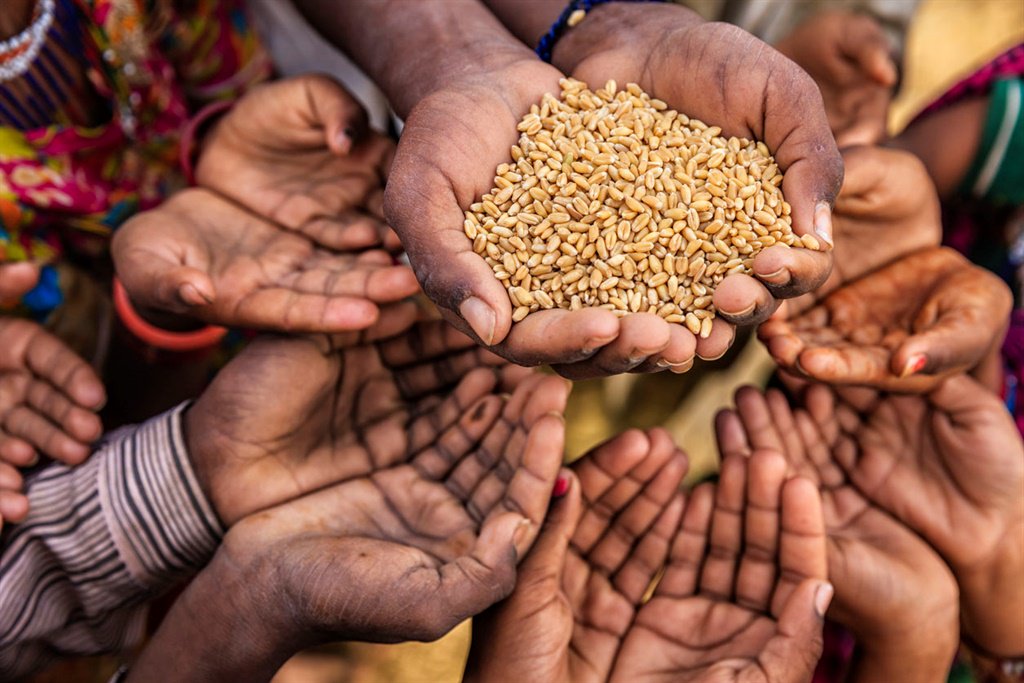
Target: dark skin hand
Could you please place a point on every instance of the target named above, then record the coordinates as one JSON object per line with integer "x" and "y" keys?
{"x": 726, "y": 77}
{"x": 949, "y": 465}
{"x": 886, "y": 209}
{"x": 292, "y": 415}
{"x": 403, "y": 551}
{"x": 581, "y": 585}
{"x": 904, "y": 327}
{"x": 912, "y": 616}
{"x": 848, "y": 56}
{"x": 48, "y": 397}
{"x": 298, "y": 153}
{"x": 203, "y": 257}
{"x": 744, "y": 592}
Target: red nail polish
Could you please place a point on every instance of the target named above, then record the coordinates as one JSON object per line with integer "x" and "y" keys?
{"x": 561, "y": 487}
{"x": 914, "y": 365}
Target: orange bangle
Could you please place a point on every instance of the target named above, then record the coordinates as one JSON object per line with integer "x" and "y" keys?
{"x": 163, "y": 339}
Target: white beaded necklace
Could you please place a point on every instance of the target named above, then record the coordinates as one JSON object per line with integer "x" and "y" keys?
{"x": 26, "y": 44}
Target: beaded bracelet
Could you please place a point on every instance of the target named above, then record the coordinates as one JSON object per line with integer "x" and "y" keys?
{"x": 572, "y": 15}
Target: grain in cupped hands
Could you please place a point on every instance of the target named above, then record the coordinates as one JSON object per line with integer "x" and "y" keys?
{"x": 613, "y": 200}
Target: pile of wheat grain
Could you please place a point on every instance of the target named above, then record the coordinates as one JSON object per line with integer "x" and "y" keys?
{"x": 612, "y": 200}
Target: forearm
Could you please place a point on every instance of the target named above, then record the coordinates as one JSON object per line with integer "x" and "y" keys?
{"x": 527, "y": 19}
{"x": 220, "y": 628}
{"x": 992, "y": 600}
{"x": 904, "y": 662}
{"x": 410, "y": 49}
{"x": 101, "y": 538}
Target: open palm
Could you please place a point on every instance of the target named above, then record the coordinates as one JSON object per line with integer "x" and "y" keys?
{"x": 743, "y": 593}
{"x": 203, "y": 256}
{"x": 903, "y": 327}
{"x": 870, "y": 552}
{"x": 407, "y": 550}
{"x": 297, "y": 153}
{"x": 580, "y": 586}
{"x": 291, "y": 415}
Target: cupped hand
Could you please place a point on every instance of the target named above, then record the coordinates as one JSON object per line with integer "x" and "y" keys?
{"x": 887, "y": 208}
{"x": 579, "y": 588}
{"x": 949, "y": 465}
{"x": 849, "y": 57}
{"x": 201, "y": 256}
{"x": 453, "y": 141}
{"x": 744, "y": 592}
{"x": 727, "y": 78}
{"x": 292, "y": 415}
{"x": 298, "y": 153}
{"x": 913, "y": 606}
{"x": 48, "y": 403}
{"x": 904, "y": 327}
{"x": 408, "y": 549}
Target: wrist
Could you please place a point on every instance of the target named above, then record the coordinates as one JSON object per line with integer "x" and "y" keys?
{"x": 224, "y": 625}
{"x": 910, "y": 658}
{"x": 617, "y": 30}
{"x": 992, "y": 598}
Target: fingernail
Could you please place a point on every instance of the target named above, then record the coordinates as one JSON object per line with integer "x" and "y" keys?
{"x": 779, "y": 277}
{"x": 680, "y": 368}
{"x": 823, "y": 598}
{"x": 561, "y": 486}
{"x": 480, "y": 317}
{"x": 519, "y": 536}
{"x": 345, "y": 140}
{"x": 746, "y": 311}
{"x": 191, "y": 295}
{"x": 595, "y": 344}
{"x": 33, "y": 461}
{"x": 914, "y": 365}
{"x": 823, "y": 222}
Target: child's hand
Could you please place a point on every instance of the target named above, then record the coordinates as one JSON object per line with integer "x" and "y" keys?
{"x": 886, "y": 209}
{"x": 298, "y": 153}
{"x": 48, "y": 402}
{"x": 909, "y": 623}
{"x": 201, "y": 256}
{"x": 950, "y": 465}
{"x": 745, "y": 590}
{"x": 849, "y": 57}
{"x": 16, "y": 279}
{"x": 599, "y": 550}
{"x": 903, "y": 327}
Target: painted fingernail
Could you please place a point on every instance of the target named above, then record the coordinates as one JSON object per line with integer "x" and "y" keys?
{"x": 914, "y": 365}
{"x": 480, "y": 317}
{"x": 823, "y": 222}
{"x": 561, "y": 486}
{"x": 823, "y": 598}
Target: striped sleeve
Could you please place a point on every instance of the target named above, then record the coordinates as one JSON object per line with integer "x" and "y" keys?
{"x": 101, "y": 539}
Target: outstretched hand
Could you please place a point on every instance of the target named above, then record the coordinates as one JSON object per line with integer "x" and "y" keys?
{"x": 727, "y": 78}
{"x": 298, "y": 153}
{"x": 201, "y": 256}
{"x": 913, "y": 612}
{"x": 403, "y": 551}
{"x": 949, "y": 465}
{"x": 904, "y": 327}
{"x": 744, "y": 592}
{"x": 849, "y": 57}
{"x": 580, "y": 586}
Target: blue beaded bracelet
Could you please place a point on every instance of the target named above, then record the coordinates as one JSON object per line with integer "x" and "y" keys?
{"x": 546, "y": 44}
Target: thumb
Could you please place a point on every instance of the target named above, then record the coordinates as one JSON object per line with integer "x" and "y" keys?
{"x": 17, "y": 279}
{"x": 546, "y": 559}
{"x": 793, "y": 652}
{"x": 963, "y": 394}
{"x": 337, "y": 111}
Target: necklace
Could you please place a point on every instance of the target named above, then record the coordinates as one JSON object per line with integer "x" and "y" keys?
{"x": 19, "y": 52}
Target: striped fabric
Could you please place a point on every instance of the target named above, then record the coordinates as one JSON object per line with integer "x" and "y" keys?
{"x": 100, "y": 540}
